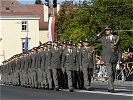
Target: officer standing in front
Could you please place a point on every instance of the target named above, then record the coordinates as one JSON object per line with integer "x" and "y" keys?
{"x": 110, "y": 53}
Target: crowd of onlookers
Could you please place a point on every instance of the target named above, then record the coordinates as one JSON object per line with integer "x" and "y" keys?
{"x": 127, "y": 57}
{"x": 100, "y": 72}
{"x": 124, "y": 69}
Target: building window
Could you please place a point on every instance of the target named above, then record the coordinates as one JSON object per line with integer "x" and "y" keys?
{"x": 24, "y": 25}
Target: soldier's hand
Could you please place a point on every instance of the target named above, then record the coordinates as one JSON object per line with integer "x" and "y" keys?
{"x": 98, "y": 34}
{"x": 101, "y": 33}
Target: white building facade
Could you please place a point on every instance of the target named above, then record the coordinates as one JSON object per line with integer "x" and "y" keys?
{"x": 13, "y": 31}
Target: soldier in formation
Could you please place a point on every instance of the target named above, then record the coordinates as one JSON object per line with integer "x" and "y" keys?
{"x": 55, "y": 65}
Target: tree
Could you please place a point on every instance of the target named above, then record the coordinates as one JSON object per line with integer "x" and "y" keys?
{"x": 38, "y": 2}
{"x": 69, "y": 25}
{"x": 119, "y": 13}
{"x": 86, "y": 20}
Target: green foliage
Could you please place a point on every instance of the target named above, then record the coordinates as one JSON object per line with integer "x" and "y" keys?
{"x": 38, "y": 2}
{"x": 86, "y": 20}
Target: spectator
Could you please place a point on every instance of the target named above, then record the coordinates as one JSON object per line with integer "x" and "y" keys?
{"x": 130, "y": 57}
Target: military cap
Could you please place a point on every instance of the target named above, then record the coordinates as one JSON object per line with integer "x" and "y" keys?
{"x": 14, "y": 56}
{"x": 64, "y": 42}
{"x": 70, "y": 39}
{"x": 69, "y": 43}
{"x": 38, "y": 47}
{"x": 74, "y": 44}
{"x": 45, "y": 46}
{"x": 41, "y": 46}
{"x": 60, "y": 44}
{"x": 55, "y": 41}
{"x": 49, "y": 43}
{"x": 80, "y": 41}
{"x": 32, "y": 49}
{"x": 24, "y": 53}
{"x": 18, "y": 55}
{"x": 35, "y": 48}
{"x": 109, "y": 27}
{"x": 85, "y": 40}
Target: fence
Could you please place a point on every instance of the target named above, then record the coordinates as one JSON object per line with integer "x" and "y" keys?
{"x": 123, "y": 73}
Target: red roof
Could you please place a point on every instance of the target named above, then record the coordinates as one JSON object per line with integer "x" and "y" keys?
{"x": 13, "y": 7}
{"x": 39, "y": 10}
{"x": 16, "y": 13}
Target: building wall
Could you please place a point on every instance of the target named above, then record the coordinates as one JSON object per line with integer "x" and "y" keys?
{"x": 43, "y": 36}
{"x": 11, "y": 33}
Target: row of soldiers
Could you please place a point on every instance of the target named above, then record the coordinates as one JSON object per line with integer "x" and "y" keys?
{"x": 51, "y": 66}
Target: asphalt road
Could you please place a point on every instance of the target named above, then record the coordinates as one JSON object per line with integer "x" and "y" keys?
{"x": 99, "y": 92}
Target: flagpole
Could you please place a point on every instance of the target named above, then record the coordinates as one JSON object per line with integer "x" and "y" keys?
{"x": 4, "y": 55}
{"x": 27, "y": 33}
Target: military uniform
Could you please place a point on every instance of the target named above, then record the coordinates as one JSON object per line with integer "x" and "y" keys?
{"x": 63, "y": 74}
{"x": 47, "y": 74}
{"x": 55, "y": 63}
{"x": 38, "y": 70}
{"x": 25, "y": 72}
{"x": 33, "y": 70}
{"x": 87, "y": 64}
{"x": 18, "y": 72}
{"x": 29, "y": 70}
{"x": 110, "y": 54}
{"x": 44, "y": 83}
{"x": 69, "y": 62}
{"x": 79, "y": 75}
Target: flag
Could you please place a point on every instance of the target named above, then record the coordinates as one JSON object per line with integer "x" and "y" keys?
{"x": 26, "y": 44}
{"x": 49, "y": 29}
{"x": 53, "y": 28}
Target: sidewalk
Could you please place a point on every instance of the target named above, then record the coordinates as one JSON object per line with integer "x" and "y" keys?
{"x": 117, "y": 82}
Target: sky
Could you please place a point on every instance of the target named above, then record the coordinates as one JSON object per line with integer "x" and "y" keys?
{"x": 33, "y": 1}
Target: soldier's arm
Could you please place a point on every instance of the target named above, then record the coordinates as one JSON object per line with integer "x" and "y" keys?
{"x": 42, "y": 59}
{"x": 97, "y": 39}
{"x": 30, "y": 62}
{"x": 80, "y": 59}
{"x": 117, "y": 43}
{"x": 77, "y": 61}
{"x": 94, "y": 62}
{"x": 94, "y": 59}
{"x": 49, "y": 59}
{"x": 63, "y": 59}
